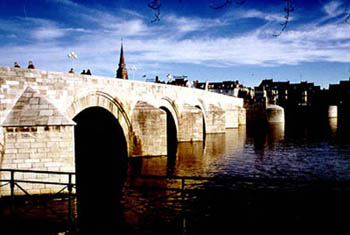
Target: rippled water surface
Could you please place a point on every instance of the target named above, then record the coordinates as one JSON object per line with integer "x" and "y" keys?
{"x": 268, "y": 178}
{"x": 304, "y": 160}
{"x": 312, "y": 152}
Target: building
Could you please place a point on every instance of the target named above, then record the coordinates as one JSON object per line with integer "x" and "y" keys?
{"x": 122, "y": 72}
{"x": 180, "y": 81}
{"x": 273, "y": 92}
{"x": 230, "y": 88}
{"x": 339, "y": 93}
{"x": 287, "y": 94}
{"x": 303, "y": 94}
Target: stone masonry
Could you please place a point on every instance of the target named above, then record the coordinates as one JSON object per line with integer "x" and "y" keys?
{"x": 37, "y": 108}
{"x": 148, "y": 122}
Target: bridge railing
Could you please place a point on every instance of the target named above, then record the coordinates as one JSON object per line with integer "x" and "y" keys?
{"x": 65, "y": 188}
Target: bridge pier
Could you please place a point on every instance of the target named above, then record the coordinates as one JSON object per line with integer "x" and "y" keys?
{"x": 190, "y": 124}
{"x": 215, "y": 120}
{"x": 149, "y": 136}
{"x": 242, "y": 116}
{"x": 232, "y": 118}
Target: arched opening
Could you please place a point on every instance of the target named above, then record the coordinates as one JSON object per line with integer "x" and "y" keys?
{"x": 101, "y": 165}
{"x": 204, "y": 129}
{"x": 171, "y": 133}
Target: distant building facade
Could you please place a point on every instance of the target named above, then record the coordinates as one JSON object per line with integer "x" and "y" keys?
{"x": 339, "y": 93}
{"x": 180, "y": 81}
{"x": 287, "y": 94}
{"x": 175, "y": 80}
{"x": 230, "y": 88}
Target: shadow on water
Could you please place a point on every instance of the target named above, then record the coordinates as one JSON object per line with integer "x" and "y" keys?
{"x": 265, "y": 135}
{"x": 101, "y": 164}
{"x": 274, "y": 156}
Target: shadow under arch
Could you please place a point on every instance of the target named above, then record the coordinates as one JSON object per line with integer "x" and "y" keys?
{"x": 101, "y": 166}
{"x": 171, "y": 133}
{"x": 170, "y": 105}
{"x": 204, "y": 122}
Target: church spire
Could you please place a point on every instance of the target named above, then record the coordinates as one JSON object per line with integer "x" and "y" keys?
{"x": 122, "y": 72}
{"x": 121, "y": 60}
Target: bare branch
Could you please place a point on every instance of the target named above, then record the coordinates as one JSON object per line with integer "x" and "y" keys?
{"x": 288, "y": 9}
{"x": 227, "y": 2}
{"x": 347, "y": 19}
{"x": 155, "y": 5}
{"x": 240, "y": 2}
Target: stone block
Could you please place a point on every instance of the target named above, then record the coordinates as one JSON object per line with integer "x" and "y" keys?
{"x": 190, "y": 124}
{"x": 149, "y": 126}
{"x": 215, "y": 120}
{"x": 242, "y": 117}
{"x": 231, "y": 118}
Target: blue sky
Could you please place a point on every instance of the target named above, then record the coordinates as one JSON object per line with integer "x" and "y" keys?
{"x": 233, "y": 43}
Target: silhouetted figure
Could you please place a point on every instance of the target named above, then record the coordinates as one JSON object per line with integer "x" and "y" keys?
{"x": 16, "y": 65}
{"x": 83, "y": 72}
{"x": 88, "y": 72}
{"x": 31, "y": 65}
{"x": 71, "y": 70}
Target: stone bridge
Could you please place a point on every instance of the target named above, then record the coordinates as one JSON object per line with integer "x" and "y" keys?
{"x": 43, "y": 114}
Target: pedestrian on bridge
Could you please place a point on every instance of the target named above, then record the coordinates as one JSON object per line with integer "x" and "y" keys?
{"x": 31, "y": 65}
{"x": 16, "y": 65}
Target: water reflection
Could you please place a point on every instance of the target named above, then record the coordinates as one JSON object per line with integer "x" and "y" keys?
{"x": 333, "y": 125}
{"x": 291, "y": 150}
{"x": 194, "y": 158}
{"x": 288, "y": 152}
{"x": 275, "y": 152}
{"x": 275, "y": 133}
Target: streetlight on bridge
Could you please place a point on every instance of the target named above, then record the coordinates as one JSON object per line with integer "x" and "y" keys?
{"x": 133, "y": 69}
{"x": 73, "y": 56}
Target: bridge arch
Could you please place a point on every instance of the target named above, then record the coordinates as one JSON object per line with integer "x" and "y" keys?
{"x": 171, "y": 130}
{"x": 103, "y": 100}
{"x": 199, "y": 104}
{"x": 170, "y": 105}
{"x": 100, "y": 161}
{"x": 101, "y": 152}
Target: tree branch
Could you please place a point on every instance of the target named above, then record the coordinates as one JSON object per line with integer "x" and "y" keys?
{"x": 155, "y": 5}
{"x": 347, "y": 19}
{"x": 288, "y": 9}
{"x": 227, "y": 2}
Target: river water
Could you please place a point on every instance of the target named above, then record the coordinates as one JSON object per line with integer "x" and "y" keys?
{"x": 313, "y": 152}
{"x": 309, "y": 161}
{"x": 276, "y": 179}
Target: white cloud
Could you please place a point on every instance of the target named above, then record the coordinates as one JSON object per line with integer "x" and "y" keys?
{"x": 133, "y": 13}
{"x": 101, "y": 52}
{"x": 48, "y": 33}
{"x": 128, "y": 28}
{"x": 261, "y": 15}
{"x": 160, "y": 44}
{"x": 333, "y": 8}
{"x": 191, "y": 24}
